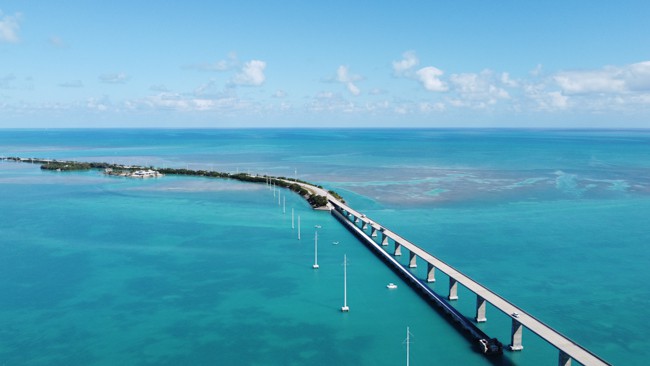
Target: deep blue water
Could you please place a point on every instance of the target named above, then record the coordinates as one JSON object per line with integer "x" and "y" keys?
{"x": 101, "y": 270}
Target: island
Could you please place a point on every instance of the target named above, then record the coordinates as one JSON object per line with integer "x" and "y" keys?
{"x": 314, "y": 194}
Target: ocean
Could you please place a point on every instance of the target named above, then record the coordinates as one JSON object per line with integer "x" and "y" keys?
{"x": 100, "y": 270}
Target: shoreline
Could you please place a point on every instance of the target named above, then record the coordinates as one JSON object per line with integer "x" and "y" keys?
{"x": 315, "y": 195}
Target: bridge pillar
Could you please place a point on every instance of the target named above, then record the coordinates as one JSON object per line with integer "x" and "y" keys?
{"x": 398, "y": 249}
{"x": 431, "y": 273}
{"x": 412, "y": 260}
{"x": 480, "y": 309}
{"x": 453, "y": 289}
{"x": 564, "y": 359}
{"x": 364, "y": 226}
{"x": 517, "y": 329}
{"x": 356, "y": 220}
{"x": 384, "y": 239}
{"x": 373, "y": 232}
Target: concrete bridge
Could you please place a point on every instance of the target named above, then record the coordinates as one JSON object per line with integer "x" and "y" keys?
{"x": 568, "y": 350}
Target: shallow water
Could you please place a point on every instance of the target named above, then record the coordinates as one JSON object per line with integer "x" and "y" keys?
{"x": 103, "y": 270}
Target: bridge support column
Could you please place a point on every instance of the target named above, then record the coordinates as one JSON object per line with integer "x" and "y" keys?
{"x": 517, "y": 329}
{"x": 364, "y": 226}
{"x": 480, "y": 309}
{"x": 384, "y": 239}
{"x": 453, "y": 289}
{"x": 356, "y": 220}
{"x": 412, "y": 260}
{"x": 398, "y": 249}
{"x": 431, "y": 273}
{"x": 373, "y": 232}
{"x": 564, "y": 359}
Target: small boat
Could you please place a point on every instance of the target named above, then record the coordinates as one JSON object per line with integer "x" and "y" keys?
{"x": 335, "y": 242}
{"x": 490, "y": 346}
{"x": 391, "y": 286}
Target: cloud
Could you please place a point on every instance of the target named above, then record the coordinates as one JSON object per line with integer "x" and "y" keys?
{"x": 203, "y": 89}
{"x": 118, "y": 78}
{"x": 637, "y": 76}
{"x": 9, "y": 27}
{"x": 537, "y": 71}
{"x": 251, "y": 74}
{"x": 98, "y": 105}
{"x": 505, "y": 80}
{"x": 158, "y": 88}
{"x": 186, "y": 103}
{"x": 557, "y": 100}
{"x": 331, "y": 102}
{"x": 279, "y": 94}
{"x": 71, "y": 84}
{"x": 407, "y": 63}
{"x": 480, "y": 89}
{"x": 608, "y": 80}
{"x": 227, "y": 64}
{"x": 343, "y": 76}
{"x": 430, "y": 78}
{"x": 545, "y": 100}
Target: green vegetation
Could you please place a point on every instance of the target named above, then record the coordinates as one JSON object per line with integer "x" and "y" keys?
{"x": 336, "y": 195}
{"x": 65, "y": 166}
{"x": 317, "y": 201}
{"x": 314, "y": 200}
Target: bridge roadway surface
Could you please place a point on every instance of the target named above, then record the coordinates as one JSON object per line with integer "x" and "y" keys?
{"x": 559, "y": 341}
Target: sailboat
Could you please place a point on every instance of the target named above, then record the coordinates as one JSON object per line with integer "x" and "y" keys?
{"x": 315, "y": 266}
{"x": 345, "y": 307}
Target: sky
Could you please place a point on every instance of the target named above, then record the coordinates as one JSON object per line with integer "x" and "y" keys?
{"x": 231, "y": 64}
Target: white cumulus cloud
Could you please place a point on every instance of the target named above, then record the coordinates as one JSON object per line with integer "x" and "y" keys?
{"x": 430, "y": 78}
{"x": 481, "y": 88}
{"x": 343, "y": 76}
{"x": 637, "y": 76}
{"x": 408, "y": 62}
{"x": 608, "y": 80}
{"x": 251, "y": 74}
{"x": 9, "y": 27}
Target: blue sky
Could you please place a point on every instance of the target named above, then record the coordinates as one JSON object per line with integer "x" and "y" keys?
{"x": 325, "y": 64}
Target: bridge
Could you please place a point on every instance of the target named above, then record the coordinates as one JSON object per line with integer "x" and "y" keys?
{"x": 369, "y": 230}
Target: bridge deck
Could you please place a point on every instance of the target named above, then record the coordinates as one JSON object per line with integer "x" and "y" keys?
{"x": 552, "y": 336}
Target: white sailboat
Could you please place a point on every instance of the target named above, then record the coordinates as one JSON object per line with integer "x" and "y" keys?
{"x": 315, "y": 266}
{"x": 345, "y": 307}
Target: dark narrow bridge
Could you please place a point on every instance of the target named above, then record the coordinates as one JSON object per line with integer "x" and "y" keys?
{"x": 568, "y": 349}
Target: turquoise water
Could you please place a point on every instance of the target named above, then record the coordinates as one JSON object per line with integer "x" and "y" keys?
{"x": 102, "y": 270}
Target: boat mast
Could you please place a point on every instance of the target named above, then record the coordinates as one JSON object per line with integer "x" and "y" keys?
{"x": 315, "y": 266}
{"x": 407, "y": 346}
{"x": 345, "y": 284}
